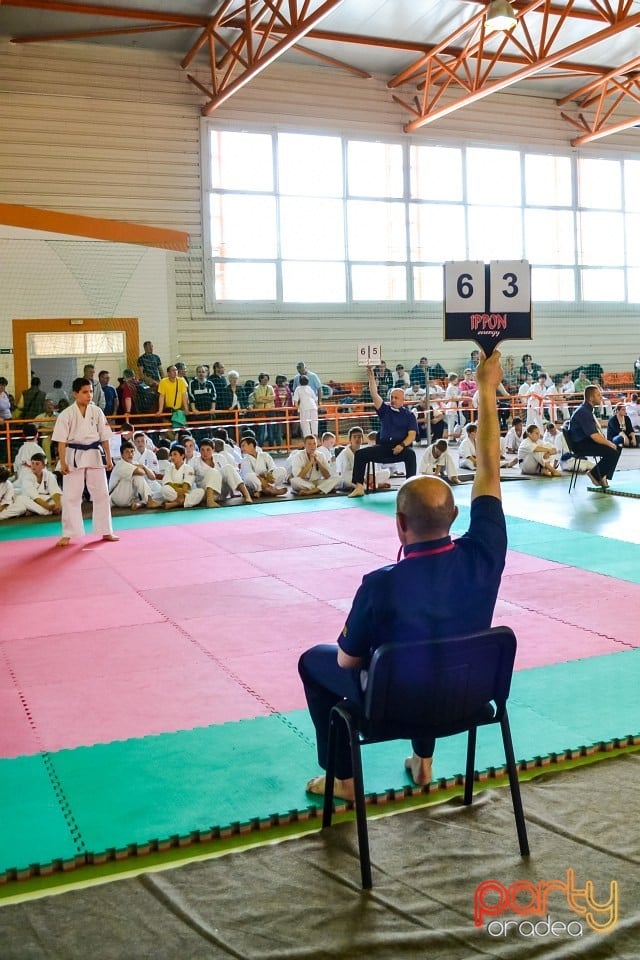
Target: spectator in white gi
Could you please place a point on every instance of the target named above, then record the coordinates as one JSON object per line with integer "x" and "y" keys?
{"x": 455, "y": 417}
{"x": 208, "y": 475}
{"x": 553, "y": 436}
{"x": 327, "y": 449}
{"x": 525, "y": 386}
{"x": 535, "y": 401}
{"x": 178, "y": 488}
{"x": 25, "y": 452}
{"x": 145, "y": 455}
{"x": 633, "y": 412}
{"x": 40, "y": 492}
{"x": 514, "y": 436}
{"x": 567, "y": 389}
{"x": 7, "y": 495}
{"x": 537, "y": 458}
{"x": 232, "y": 482}
{"x": 467, "y": 450}
{"x": 306, "y": 400}
{"x": 80, "y": 432}
{"x": 313, "y": 380}
{"x": 344, "y": 463}
{"x": 437, "y": 461}
{"x": 309, "y": 471}
{"x": 129, "y": 485}
{"x": 259, "y": 471}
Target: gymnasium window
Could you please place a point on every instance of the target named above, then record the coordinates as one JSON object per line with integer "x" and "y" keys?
{"x": 296, "y": 219}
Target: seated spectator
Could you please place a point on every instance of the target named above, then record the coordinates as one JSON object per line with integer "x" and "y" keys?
{"x": 467, "y": 450}
{"x": 401, "y": 378}
{"x": 514, "y": 436}
{"x": 259, "y": 471}
{"x": 163, "y": 460}
{"x": 414, "y": 394}
{"x": 25, "y": 452}
{"x": 129, "y": 486}
{"x": 57, "y": 394}
{"x": 144, "y": 454}
{"x": 553, "y": 437}
{"x": 633, "y": 412}
{"x": 537, "y": 458}
{"x": 117, "y": 439}
{"x": 437, "y": 421}
{"x": 528, "y": 368}
{"x": 179, "y": 484}
{"x": 309, "y": 471}
{"x": 7, "y": 495}
{"x": 208, "y": 474}
{"x": 437, "y": 461}
{"x": 31, "y": 402}
{"x": 418, "y": 375}
{"x": 620, "y": 429}
{"x": 468, "y": 387}
{"x": 581, "y": 383}
{"x": 327, "y": 449}
{"x": 383, "y": 378}
{"x": 40, "y": 493}
{"x": 232, "y": 482}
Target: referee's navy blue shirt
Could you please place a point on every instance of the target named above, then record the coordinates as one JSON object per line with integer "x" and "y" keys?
{"x": 395, "y": 424}
{"x": 442, "y": 588}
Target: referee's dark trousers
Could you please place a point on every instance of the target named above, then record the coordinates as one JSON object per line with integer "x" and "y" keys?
{"x": 607, "y": 456}
{"x": 382, "y": 453}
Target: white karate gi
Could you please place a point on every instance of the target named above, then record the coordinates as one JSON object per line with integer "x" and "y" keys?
{"x": 467, "y": 449}
{"x": 22, "y": 462}
{"x": 7, "y": 499}
{"x": 231, "y": 479}
{"x": 305, "y": 398}
{"x": 535, "y": 401}
{"x": 444, "y": 460}
{"x": 532, "y": 463}
{"x": 455, "y": 416}
{"x": 344, "y": 467}
{"x": 512, "y": 440}
{"x": 149, "y": 460}
{"x": 183, "y": 474}
{"x": 85, "y": 467}
{"x": 315, "y": 479}
{"x": 125, "y": 487}
{"x": 207, "y": 477}
{"x": 252, "y": 468}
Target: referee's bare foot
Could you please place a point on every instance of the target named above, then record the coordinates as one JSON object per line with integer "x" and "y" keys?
{"x": 63, "y": 542}
{"x": 358, "y": 491}
{"x": 110, "y": 537}
{"x": 342, "y": 789}
{"x": 420, "y": 769}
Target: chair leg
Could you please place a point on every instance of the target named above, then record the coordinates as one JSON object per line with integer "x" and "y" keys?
{"x": 514, "y": 785}
{"x": 471, "y": 763}
{"x": 327, "y": 809}
{"x": 361, "y": 807}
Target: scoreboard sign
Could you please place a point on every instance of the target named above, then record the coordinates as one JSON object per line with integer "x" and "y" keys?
{"x": 487, "y": 302}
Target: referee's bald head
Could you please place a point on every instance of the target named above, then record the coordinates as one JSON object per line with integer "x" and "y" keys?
{"x": 425, "y": 508}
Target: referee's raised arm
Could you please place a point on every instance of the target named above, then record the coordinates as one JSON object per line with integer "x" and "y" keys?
{"x": 487, "y": 478}
{"x": 373, "y": 388}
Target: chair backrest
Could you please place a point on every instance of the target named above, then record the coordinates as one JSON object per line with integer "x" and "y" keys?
{"x": 566, "y": 433}
{"x": 439, "y": 685}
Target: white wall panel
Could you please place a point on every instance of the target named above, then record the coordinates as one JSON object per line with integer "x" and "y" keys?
{"x": 110, "y": 132}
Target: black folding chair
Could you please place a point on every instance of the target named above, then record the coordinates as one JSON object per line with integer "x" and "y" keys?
{"x": 577, "y": 457}
{"x": 429, "y": 688}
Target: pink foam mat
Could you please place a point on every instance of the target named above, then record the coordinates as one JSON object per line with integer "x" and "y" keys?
{"x": 275, "y": 678}
{"x": 591, "y": 601}
{"x": 334, "y": 584}
{"x": 313, "y": 559}
{"x": 174, "y": 575}
{"x": 17, "y": 736}
{"x": 198, "y": 601}
{"x": 78, "y": 615}
{"x": 102, "y": 709}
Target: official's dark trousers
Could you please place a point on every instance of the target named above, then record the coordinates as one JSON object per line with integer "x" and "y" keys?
{"x": 382, "y": 453}
{"x": 608, "y": 457}
{"x": 325, "y": 685}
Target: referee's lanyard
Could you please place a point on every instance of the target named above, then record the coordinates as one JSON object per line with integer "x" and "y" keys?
{"x": 424, "y": 553}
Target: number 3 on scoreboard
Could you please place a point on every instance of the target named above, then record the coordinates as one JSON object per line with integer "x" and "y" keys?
{"x": 510, "y": 286}
{"x": 464, "y": 286}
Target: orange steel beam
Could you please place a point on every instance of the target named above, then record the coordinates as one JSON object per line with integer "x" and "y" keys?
{"x": 323, "y": 58}
{"x": 304, "y": 21}
{"x": 427, "y": 113}
{"x": 88, "y": 34}
{"x": 576, "y": 13}
{"x": 600, "y": 94}
{"x": 124, "y": 13}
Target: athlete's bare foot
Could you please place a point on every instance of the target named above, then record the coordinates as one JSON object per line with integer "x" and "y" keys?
{"x": 63, "y": 542}
{"x": 342, "y": 789}
{"x": 453, "y": 481}
{"x": 358, "y": 491}
{"x": 110, "y": 538}
{"x": 153, "y": 504}
{"x": 420, "y": 769}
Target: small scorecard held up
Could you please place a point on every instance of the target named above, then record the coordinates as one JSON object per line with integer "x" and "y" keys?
{"x": 487, "y": 303}
{"x": 369, "y": 354}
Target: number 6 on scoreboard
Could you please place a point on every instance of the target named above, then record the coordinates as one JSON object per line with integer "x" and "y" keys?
{"x": 464, "y": 286}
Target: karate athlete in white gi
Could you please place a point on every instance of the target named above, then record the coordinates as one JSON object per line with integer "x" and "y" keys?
{"x": 40, "y": 492}
{"x": 80, "y": 432}
{"x": 178, "y": 488}
{"x": 259, "y": 471}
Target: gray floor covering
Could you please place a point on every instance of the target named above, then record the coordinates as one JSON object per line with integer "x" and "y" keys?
{"x": 301, "y": 899}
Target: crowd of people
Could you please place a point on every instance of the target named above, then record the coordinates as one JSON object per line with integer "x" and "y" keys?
{"x": 198, "y": 463}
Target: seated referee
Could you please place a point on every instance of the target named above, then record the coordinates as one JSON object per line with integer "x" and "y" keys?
{"x": 398, "y": 430}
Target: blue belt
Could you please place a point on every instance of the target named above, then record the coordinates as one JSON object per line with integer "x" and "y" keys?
{"x": 83, "y": 446}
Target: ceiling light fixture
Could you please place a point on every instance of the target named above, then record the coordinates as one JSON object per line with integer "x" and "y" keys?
{"x": 500, "y": 16}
